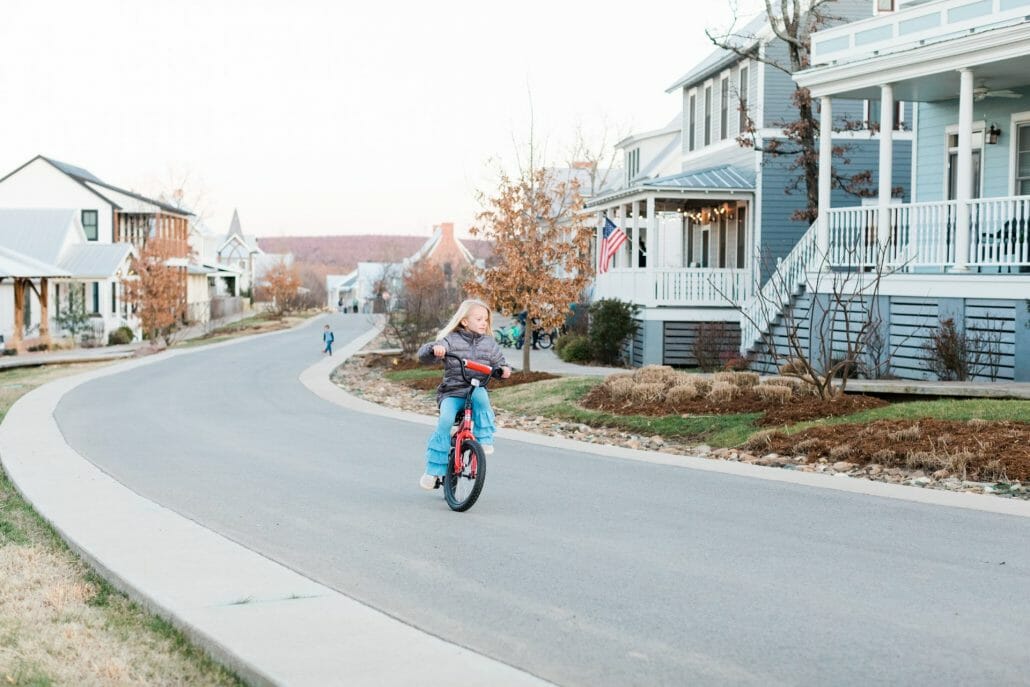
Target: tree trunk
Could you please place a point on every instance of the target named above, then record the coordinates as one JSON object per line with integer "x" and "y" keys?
{"x": 527, "y": 338}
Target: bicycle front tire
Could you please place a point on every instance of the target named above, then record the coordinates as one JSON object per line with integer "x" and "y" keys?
{"x": 461, "y": 490}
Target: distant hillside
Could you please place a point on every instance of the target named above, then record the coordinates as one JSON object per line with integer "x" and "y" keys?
{"x": 341, "y": 254}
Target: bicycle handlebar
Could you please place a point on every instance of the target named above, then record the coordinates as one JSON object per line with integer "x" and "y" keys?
{"x": 475, "y": 367}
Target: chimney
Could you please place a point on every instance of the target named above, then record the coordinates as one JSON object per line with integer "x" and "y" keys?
{"x": 447, "y": 232}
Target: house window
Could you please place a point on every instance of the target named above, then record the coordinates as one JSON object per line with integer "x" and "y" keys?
{"x": 114, "y": 299}
{"x": 742, "y": 125}
{"x": 692, "y": 127}
{"x": 724, "y": 104}
{"x": 708, "y": 115}
{"x": 705, "y": 246}
{"x": 1023, "y": 159}
{"x": 690, "y": 243}
{"x": 872, "y": 114}
{"x": 89, "y": 224}
{"x": 633, "y": 164}
{"x": 96, "y": 298}
{"x": 57, "y": 299}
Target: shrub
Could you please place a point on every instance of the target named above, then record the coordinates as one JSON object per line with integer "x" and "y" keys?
{"x": 782, "y": 381}
{"x": 722, "y": 392}
{"x": 611, "y": 324}
{"x": 122, "y": 335}
{"x": 647, "y": 392}
{"x": 738, "y": 378}
{"x": 577, "y": 349}
{"x": 736, "y": 363}
{"x": 760, "y": 441}
{"x": 712, "y": 344}
{"x": 681, "y": 394}
{"x": 885, "y": 456}
{"x": 620, "y": 388}
{"x": 8, "y": 351}
{"x": 774, "y": 393}
{"x": 702, "y": 384}
{"x": 654, "y": 373}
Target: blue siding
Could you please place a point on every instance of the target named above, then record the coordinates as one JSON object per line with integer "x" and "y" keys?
{"x": 931, "y": 142}
{"x": 779, "y": 232}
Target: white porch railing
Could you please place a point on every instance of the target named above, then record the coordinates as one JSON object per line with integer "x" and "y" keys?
{"x": 922, "y": 235}
{"x": 681, "y": 286}
{"x": 775, "y": 294}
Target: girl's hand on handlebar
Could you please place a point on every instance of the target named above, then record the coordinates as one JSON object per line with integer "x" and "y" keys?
{"x": 505, "y": 372}
{"x": 439, "y": 351}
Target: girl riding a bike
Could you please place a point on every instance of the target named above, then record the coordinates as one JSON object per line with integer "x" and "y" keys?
{"x": 468, "y": 336}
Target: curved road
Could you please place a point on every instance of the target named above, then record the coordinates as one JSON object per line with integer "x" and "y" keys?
{"x": 580, "y": 569}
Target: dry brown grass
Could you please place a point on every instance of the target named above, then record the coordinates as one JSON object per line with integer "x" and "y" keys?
{"x": 59, "y": 623}
{"x": 774, "y": 393}
{"x": 908, "y": 434}
{"x": 647, "y": 392}
{"x": 722, "y": 392}
{"x": 682, "y": 393}
{"x": 651, "y": 374}
{"x": 620, "y": 388}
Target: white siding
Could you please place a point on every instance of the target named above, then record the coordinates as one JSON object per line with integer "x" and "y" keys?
{"x": 41, "y": 185}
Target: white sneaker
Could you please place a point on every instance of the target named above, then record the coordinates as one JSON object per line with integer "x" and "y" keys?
{"x": 488, "y": 449}
{"x": 428, "y": 482}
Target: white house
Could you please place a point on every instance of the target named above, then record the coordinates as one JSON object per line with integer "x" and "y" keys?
{"x": 105, "y": 213}
{"x": 49, "y": 259}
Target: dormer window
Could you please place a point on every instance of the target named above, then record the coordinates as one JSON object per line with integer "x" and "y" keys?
{"x": 885, "y": 5}
{"x": 632, "y": 164}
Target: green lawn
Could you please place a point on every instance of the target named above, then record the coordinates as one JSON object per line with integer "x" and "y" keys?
{"x": 558, "y": 399}
{"x": 416, "y": 373}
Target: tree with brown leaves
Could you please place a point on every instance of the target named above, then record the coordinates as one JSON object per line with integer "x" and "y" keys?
{"x": 156, "y": 289}
{"x": 541, "y": 260}
{"x": 282, "y": 286}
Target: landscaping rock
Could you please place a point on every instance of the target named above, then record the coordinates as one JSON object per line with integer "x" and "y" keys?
{"x": 843, "y": 466}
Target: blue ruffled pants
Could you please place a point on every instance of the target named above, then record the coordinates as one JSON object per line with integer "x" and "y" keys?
{"x": 439, "y": 444}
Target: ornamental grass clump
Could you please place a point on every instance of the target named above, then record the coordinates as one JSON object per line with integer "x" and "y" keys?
{"x": 722, "y": 392}
{"x": 654, "y": 373}
{"x": 682, "y": 393}
{"x": 621, "y": 388}
{"x": 648, "y": 392}
{"x": 772, "y": 393}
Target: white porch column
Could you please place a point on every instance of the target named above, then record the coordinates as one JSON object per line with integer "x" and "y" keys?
{"x": 883, "y": 226}
{"x": 964, "y": 192}
{"x": 825, "y": 178}
{"x": 635, "y": 239}
{"x": 652, "y": 252}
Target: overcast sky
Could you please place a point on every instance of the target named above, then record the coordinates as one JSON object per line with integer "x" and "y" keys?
{"x": 317, "y": 117}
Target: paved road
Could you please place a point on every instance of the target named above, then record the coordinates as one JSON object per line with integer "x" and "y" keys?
{"x": 580, "y": 569}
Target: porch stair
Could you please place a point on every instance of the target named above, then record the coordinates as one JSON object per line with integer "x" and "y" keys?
{"x": 764, "y": 311}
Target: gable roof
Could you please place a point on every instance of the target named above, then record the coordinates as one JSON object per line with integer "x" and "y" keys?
{"x": 745, "y": 39}
{"x": 95, "y": 260}
{"x": 101, "y": 189}
{"x": 16, "y": 265}
{"x": 38, "y": 233}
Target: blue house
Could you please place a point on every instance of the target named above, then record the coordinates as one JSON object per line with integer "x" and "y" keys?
{"x": 707, "y": 218}
{"x": 959, "y": 248}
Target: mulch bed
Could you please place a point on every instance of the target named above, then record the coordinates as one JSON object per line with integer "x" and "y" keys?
{"x": 798, "y": 410}
{"x": 975, "y": 449}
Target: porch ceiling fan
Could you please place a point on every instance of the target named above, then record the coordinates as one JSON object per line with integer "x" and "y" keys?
{"x": 981, "y": 92}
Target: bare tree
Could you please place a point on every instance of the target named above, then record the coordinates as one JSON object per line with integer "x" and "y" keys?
{"x": 595, "y": 154}
{"x": 793, "y": 22}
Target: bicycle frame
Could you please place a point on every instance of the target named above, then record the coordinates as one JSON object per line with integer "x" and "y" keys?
{"x": 465, "y": 426}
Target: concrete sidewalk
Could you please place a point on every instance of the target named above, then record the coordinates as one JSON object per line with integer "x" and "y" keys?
{"x": 266, "y": 622}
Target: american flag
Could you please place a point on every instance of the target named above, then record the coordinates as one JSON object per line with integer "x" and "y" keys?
{"x": 612, "y": 239}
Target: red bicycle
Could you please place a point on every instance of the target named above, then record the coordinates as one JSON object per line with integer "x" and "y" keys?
{"x": 466, "y": 463}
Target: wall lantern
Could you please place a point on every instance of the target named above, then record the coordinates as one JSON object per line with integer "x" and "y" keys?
{"x": 992, "y": 134}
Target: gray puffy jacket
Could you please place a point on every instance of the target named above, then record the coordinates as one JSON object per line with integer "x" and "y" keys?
{"x": 465, "y": 344}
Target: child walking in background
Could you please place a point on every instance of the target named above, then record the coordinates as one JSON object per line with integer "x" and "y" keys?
{"x": 328, "y": 338}
{"x": 468, "y": 335}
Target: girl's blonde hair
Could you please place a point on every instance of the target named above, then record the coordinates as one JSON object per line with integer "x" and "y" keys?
{"x": 462, "y": 312}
